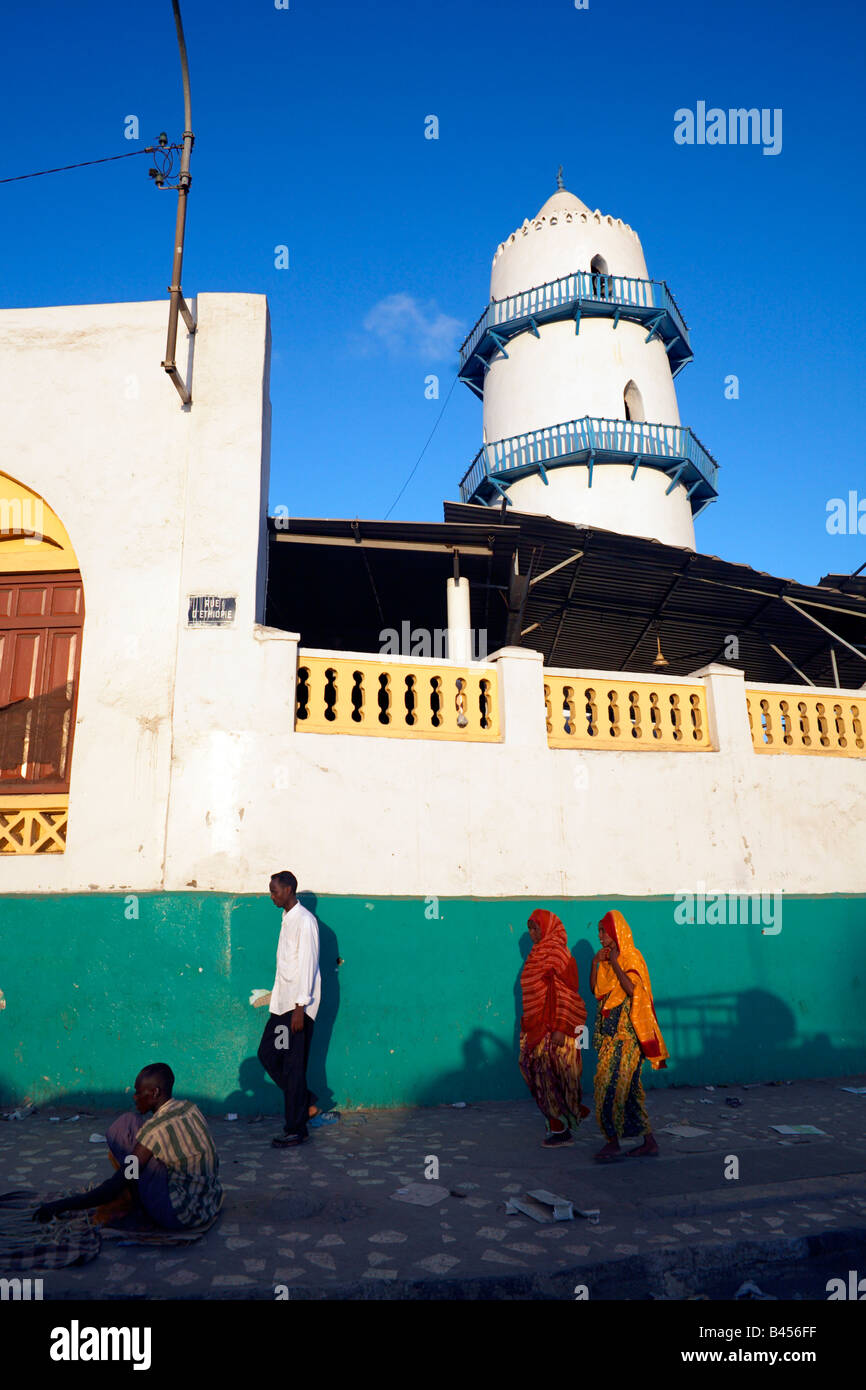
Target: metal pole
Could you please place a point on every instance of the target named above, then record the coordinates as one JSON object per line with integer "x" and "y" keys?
{"x": 779, "y": 652}
{"x": 853, "y": 574}
{"x": 178, "y": 304}
{"x": 829, "y": 631}
{"x": 835, "y": 668}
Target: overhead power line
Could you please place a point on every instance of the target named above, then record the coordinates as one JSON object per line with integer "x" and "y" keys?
{"x": 62, "y": 168}
{"x": 423, "y": 451}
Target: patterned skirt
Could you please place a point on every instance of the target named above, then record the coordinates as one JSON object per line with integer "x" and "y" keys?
{"x": 620, "y": 1107}
{"x": 553, "y": 1076}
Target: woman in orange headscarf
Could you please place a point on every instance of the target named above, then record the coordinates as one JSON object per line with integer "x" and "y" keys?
{"x": 626, "y": 1032}
{"x": 550, "y": 1056}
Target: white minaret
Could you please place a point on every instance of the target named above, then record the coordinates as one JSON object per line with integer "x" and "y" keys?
{"x": 575, "y": 359}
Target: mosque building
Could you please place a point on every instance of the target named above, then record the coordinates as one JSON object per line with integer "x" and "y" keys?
{"x": 550, "y": 698}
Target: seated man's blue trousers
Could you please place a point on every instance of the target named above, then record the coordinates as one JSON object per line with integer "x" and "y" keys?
{"x": 152, "y": 1178}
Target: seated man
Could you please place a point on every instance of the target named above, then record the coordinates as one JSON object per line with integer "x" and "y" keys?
{"x": 166, "y": 1164}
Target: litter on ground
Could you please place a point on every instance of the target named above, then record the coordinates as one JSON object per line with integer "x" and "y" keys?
{"x": 562, "y": 1208}
{"x": 590, "y": 1214}
{"x": 798, "y": 1129}
{"x": 421, "y": 1194}
{"x": 544, "y": 1207}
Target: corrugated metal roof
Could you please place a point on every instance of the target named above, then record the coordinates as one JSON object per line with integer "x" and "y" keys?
{"x": 341, "y": 581}
{"x": 847, "y": 583}
{"x": 607, "y": 609}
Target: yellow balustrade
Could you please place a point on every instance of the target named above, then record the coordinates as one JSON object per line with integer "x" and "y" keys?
{"x": 33, "y": 824}
{"x": 624, "y": 715}
{"x": 396, "y": 699}
{"x": 792, "y": 721}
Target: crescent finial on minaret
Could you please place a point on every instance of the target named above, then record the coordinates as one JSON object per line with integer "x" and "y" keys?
{"x": 559, "y": 182}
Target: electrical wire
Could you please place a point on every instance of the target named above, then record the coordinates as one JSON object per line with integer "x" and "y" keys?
{"x": 62, "y": 168}
{"x": 423, "y": 451}
{"x": 150, "y": 149}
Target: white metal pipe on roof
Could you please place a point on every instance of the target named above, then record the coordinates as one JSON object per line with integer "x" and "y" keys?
{"x": 459, "y": 620}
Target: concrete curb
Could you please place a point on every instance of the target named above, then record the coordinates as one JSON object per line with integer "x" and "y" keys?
{"x": 673, "y": 1274}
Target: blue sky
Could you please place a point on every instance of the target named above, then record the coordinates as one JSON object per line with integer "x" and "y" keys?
{"x": 310, "y": 133}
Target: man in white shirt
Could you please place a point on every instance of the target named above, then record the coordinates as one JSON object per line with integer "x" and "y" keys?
{"x": 293, "y": 1004}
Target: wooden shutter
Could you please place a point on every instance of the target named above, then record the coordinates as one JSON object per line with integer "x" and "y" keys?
{"x": 41, "y": 620}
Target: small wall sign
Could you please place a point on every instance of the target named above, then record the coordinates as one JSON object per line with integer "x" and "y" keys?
{"x": 211, "y": 610}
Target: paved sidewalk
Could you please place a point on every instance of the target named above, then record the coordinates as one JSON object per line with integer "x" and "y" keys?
{"x": 322, "y": 1221}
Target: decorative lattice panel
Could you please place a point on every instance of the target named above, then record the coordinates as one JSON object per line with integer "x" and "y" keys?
{"x": 625, "y": 715}
{"x": 790, "y": 721}
{"x": 386, "y": 699}
{"x": 33, "y": 829}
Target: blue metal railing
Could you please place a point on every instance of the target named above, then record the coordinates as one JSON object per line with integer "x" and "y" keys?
{"x": 588, "y": 287}
{"x": 622, "y": 441}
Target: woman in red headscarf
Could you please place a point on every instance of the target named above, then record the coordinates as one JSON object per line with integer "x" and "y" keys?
{"x": 626, "y": 1033}
{"x": 553, "y": 1011}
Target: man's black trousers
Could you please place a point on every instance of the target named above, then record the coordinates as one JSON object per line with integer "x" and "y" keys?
{"x": 283, "y": 1054}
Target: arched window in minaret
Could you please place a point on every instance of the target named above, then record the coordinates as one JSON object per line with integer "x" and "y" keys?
{"x": 633, "y": 402}
{"x": 600, "y": 278}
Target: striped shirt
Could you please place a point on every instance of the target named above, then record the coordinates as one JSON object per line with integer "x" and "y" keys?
{"x": 178, "y": 1135}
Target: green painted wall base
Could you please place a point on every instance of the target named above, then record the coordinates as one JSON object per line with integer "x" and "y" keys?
{"x": 423, "y": 1009}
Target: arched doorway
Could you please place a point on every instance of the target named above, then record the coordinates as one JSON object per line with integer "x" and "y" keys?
{"x": 601, "y": 286}
{"x": 41, "y": 622}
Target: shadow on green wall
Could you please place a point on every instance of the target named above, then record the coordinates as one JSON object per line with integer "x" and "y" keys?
{"x": 256, "y": 1093}
{"x": 490, "y": 1069}
{"x": 329, "y": 1006}
{"x": 721, "y": 1039}
{"x": 115, "y": 1102}
{"x": 420, "y": 1014}
{"x": 729, "y": 1037}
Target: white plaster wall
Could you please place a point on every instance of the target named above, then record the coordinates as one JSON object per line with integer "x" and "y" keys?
{"x": 185, "y": 748}
{"x": 158, "y": 501}
{"x": 373, "y": 816}
{"x": 615, "y": 502}
{"x": 562, "y": 375}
